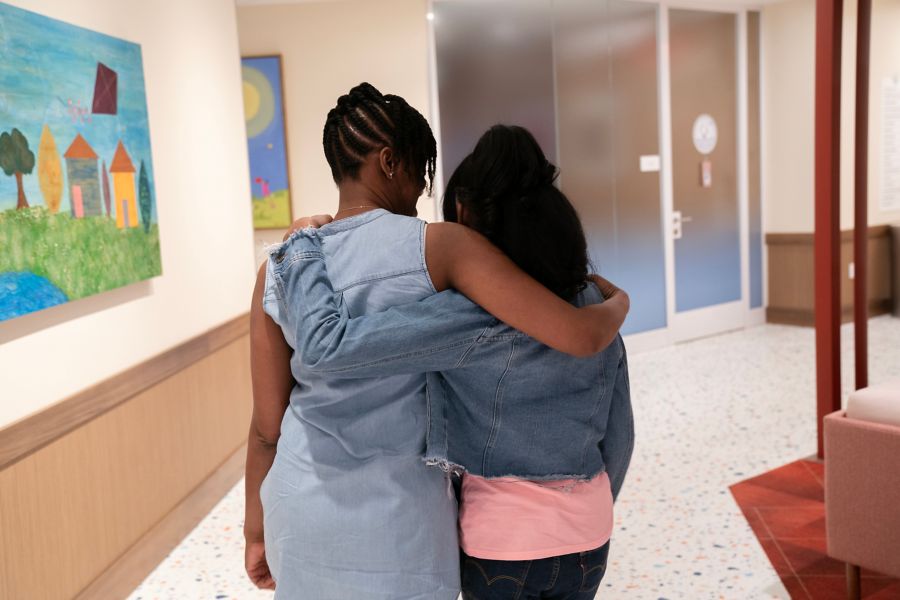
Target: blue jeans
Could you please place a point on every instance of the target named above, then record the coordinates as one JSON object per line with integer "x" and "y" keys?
{"x": 568, "y": 577}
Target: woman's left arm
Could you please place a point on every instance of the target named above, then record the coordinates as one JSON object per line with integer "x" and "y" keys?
{"x": 461, "y": 258}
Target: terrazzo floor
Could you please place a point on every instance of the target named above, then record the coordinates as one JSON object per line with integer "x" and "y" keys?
{"x": 708, "y": 414}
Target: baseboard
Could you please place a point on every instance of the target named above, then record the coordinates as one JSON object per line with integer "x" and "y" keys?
{"x": 790, "y": 316}
{"x": 124, "y": 575}
{"x": 756, "y": 317}
{"x": 807, "y": 317}
{"x": 647, "y": 341}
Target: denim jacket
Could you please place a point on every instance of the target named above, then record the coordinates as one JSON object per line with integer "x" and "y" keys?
{"x": 500, "y": 403}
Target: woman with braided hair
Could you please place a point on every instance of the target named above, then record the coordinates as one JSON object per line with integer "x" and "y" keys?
{"x": 340, "y": 504}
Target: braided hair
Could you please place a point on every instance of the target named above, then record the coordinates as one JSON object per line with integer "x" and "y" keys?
{"x": 507, "y": 187}
{"x": 365, "y": 120}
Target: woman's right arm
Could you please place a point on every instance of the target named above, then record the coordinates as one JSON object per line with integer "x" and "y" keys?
{"x": 272, "y": 383}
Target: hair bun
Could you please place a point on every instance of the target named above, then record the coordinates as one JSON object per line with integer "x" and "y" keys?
{"x": 359, "y": 94}
{"x": 541, "y": 178}
{"x": 549, "y": 173}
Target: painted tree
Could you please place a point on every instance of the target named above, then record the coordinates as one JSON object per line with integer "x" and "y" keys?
{"x": 16, "y": 160}
{"x": 106, "y": 195}
{"x": 49, "y": 167}
{"x": 144, "y": 197}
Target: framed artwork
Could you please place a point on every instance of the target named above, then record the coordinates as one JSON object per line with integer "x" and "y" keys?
{"x": 266, "y": 142}
{"x": 77, "y": 207}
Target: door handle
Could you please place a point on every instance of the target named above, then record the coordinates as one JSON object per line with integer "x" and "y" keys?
{"x": 677, "y": 224}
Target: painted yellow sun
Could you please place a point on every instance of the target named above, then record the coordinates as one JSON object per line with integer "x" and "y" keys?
{"x": 251, "y": 101}
{"x": 259, "y": 101}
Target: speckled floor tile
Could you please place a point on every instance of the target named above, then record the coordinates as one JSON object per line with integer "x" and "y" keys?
{"x": 209, "y": 563}
{"x": 708, "y": 414}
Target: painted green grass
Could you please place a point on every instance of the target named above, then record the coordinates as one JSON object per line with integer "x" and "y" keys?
{"x": 273, "y": 211}
{"x": 81, "y": 257}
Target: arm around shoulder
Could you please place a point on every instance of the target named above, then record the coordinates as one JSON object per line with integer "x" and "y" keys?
{"x": 461, "y": 258}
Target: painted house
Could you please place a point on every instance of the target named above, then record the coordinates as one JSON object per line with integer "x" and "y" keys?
{"x": 84, "y": 181}
{"x": 122, "y": 170}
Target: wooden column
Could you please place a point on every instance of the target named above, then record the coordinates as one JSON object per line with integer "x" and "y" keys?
{"x": 861, "y": 196}
{"x": 829, "y": 14}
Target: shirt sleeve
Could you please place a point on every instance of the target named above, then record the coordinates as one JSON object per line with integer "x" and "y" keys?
{"x": 434, "y": 334}
{"x": 272, "y": 301}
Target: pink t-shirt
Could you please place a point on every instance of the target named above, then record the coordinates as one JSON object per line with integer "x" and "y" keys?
{"x": 512, "y": 519}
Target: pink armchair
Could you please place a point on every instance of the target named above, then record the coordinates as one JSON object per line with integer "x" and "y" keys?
{"x": 862, "y": 483}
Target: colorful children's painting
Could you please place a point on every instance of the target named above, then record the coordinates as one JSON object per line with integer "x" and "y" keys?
{"x": 77, "y": 208}
{"x": 264, "y": 113}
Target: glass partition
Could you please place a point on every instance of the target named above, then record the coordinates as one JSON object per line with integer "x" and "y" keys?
{"x": 606, "y": 86}
{"x": 494, "y": 65}
{"x": 582, "y": 76}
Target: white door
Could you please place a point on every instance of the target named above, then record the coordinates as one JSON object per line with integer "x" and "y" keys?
{"x": 705, "y": 135}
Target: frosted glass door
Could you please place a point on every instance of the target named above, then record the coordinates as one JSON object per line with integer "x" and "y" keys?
{"x": 703, "y": 59}
{"x": 607, "y": 107}
{"x": 494, "y": 65}
{"x": 582, "y": 76}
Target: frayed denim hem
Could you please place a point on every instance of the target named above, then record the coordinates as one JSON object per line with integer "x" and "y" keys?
{"x": 456, "y": 469}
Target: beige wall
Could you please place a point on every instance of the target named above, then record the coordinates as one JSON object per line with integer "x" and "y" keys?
{"x": 193, "y": 83}
{"x": 788, "y": 35}
{"x": 885, "y": 63}
{"x": 788, "y": 30}
{"x": 327, "y": 48}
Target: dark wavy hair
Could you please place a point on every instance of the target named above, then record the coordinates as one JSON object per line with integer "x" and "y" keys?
{"x": 507, "y": 187}
{"x": 364, "y": 120}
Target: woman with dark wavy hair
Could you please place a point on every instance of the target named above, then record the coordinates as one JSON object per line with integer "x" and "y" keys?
{"x": 543, "y": 439}
{"x": 340, "y": 505}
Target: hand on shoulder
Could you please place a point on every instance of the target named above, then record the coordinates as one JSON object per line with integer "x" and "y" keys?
{"x": 314, "y": 221}
{"x": 611, "y": 291}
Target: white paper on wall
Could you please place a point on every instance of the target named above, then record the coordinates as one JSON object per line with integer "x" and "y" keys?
{"x": 890, "y": 151}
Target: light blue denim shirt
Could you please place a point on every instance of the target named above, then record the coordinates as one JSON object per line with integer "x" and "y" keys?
{"x": 500, "y": 403}
{"x": 350, "y": 509}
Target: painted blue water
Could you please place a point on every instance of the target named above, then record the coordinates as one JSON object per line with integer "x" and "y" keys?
{"x": 22, "y": 293}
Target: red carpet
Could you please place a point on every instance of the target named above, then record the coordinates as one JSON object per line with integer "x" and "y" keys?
{"x": 786, "y": 510}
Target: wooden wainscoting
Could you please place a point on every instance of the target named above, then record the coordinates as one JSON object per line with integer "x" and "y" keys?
{"x": 791, "y": 276}
{"x": 81, "y": 482}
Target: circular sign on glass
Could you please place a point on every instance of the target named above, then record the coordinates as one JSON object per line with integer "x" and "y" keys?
{"x": 706, "y": 134}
